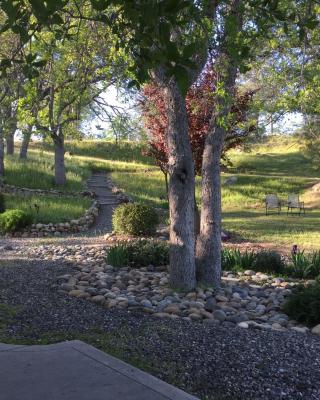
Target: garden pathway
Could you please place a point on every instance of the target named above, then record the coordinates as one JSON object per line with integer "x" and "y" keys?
{"x": 99, "y": 184}
{"x": 76, "y": 371}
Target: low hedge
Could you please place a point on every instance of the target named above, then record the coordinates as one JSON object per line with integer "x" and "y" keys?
{"x": 134, "y": 219}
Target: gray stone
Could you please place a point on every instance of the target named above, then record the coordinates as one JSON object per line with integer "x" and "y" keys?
{"x": 98, "y": 299}
{"x": 316, "y": 330}
{"x": 195, "y": 316}
{"x": 300, "y": 329}
{"x": 146, "y": 303}
{"x": 243, "y": 324}
{"x": 260, "y": 309}
{"x": 219, "y": 315}
{"x": 210, "y": 304}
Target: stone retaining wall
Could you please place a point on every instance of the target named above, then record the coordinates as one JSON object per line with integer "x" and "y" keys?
{"x": 44, "y": 230}
{"x": 75, "y": 225}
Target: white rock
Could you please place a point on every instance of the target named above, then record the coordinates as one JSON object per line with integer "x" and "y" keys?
{"x": 316, "y": 330}
{"x": 301, "y": 329}
{"x": 244, "y": 325}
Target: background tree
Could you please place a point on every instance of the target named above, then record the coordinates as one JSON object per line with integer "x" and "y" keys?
{"x": 200, "y": 104}
{"x": 170, "y": 41}
{"x": 76, "y": 72}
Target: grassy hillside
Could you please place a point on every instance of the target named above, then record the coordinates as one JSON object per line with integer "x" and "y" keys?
{"x": 278, "y": 166}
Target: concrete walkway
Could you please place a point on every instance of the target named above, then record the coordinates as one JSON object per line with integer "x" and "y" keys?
{"x": 75, "y": 371}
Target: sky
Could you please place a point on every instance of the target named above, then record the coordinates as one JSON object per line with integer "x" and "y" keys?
{"x": 287, "y": 125}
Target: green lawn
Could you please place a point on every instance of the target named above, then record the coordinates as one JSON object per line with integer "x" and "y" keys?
{"x": 278, "y": 166}
{"x": 50, "y": 208}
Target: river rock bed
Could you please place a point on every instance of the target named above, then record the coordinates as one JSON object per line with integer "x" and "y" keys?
{"x": 241, "y": 300}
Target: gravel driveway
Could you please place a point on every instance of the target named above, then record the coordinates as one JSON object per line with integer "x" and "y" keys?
{"x": 212, "y": 362}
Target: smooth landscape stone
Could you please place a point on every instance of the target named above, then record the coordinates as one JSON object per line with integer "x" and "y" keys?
{"x": 316, "y": 330}
{"x": 243, "y": 325}
{"x": 219, "y": 315}
{"x": 248, "y": 301}
{"x": 301, "y": 329}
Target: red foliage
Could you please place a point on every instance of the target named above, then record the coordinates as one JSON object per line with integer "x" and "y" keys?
{"x": 200, "y": 102}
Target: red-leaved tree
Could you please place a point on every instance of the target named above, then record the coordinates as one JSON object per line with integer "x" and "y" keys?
{"x": 200, "y": 102}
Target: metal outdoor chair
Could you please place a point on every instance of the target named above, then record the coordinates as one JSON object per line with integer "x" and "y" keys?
{"x": 272, "y": 203}
{"x": 295, "y": 203}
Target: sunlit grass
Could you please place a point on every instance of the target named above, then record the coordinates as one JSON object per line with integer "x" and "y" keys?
{"x": 46, "y": 209}
{"x": 278, "y": 166}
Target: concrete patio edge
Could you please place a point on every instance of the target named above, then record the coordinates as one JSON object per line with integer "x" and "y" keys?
{"x": 132, "y": 373}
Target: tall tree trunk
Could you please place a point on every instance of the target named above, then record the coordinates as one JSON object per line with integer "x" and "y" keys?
{"x": 208, "y": 251}
{"x": 1, "y": 154}
{"x": 25, "y": 143}
{"x": 10, "y": 142}
{"x": 59, "y": 165}
{"x": 271, "y": 124}
{"x": 165, "y": 173}
{"x": 181, "y": 191}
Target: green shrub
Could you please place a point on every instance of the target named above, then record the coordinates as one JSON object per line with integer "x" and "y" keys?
{"x": 2, "y": 203}
{"x": 304, "y": 266}
{"x": 300, "y": 266}
{"x": 233, "y": 259}
{"x": 13, "y": 220}
{"x": 118, "y": 256}
{"x": 135, "y": 219}
{"x": 268, "y": 261}
{"x": 138, "y": 253}
{"x": 315, "y": 262}
{"x": 303, "y": 304}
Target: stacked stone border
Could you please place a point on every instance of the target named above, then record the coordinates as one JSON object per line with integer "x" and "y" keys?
{"x": 45, "y": 230}
{"x": 81, "y": 224}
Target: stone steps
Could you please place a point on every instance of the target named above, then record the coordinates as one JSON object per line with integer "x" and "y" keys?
{"x": 99, "y": 184}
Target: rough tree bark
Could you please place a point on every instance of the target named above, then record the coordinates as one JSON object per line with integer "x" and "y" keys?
{"x": 1, "y": 154}
{"x": 208, "y": 251}
{"x": 208, "y": 247}
{"x": 25, "y": 143}
{"x": 10, "y": 142}
{"x": 181, "y": 191}
{"x": 59, "y": 165}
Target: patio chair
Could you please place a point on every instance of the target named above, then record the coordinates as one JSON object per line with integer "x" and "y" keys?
{"x": 272, "y": 203}
{"x": 295, "y": 203}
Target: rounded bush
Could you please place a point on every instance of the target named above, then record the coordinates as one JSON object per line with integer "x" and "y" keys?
{"x": 303, "y": 304}
{"x": 134, "y": 219}
{"x": 12, "y": 220}
{"x": 268, "y": 261}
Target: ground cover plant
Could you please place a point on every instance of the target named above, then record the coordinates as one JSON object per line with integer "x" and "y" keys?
{"x": 49, "y": 208}
{"x": 304, "y": 304}
{"x": 305, "y": 266}
{"x": 273, "y": 167}
{"x": 138, "y": 253}
{"x": 300, "y": 265}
